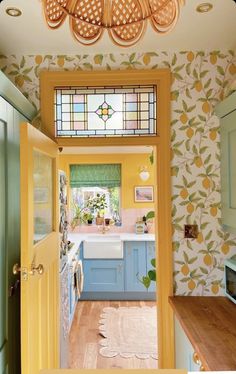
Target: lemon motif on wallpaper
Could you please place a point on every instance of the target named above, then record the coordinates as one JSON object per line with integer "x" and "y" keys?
{"x": 199, "y": 80}
{"x": 38, "y": 59}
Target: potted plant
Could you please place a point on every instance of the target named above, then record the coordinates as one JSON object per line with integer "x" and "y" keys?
{"x": 147, "y": 219}
{"x": 82, "y": 215}
{"x": 87, "y": 216}
{"x": 98, "y": 204}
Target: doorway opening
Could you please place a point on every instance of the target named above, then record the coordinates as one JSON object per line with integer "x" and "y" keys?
{"x": 110, "y": 269}
{"x": 44, "y": 305}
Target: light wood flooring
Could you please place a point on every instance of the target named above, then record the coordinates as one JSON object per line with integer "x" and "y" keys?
{"x": 84, "y": 338}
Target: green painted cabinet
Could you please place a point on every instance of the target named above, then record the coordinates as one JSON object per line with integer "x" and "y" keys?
{"x": 10, "y": 119}
{"x": 226, "y": 110}
{"x": 3, "y": 304}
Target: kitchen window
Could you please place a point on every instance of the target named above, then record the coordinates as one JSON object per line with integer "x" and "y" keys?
{"x": 91, "y": 180}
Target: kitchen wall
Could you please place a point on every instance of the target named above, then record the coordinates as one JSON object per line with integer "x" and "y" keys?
{"x": 130, "y": 165}
{"x": 199, "y": 81}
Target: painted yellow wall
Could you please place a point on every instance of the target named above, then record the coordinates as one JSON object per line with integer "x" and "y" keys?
{"x": 130, "y": 165}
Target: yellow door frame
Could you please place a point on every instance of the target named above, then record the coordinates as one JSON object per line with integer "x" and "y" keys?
{"x": 161, "y": 79}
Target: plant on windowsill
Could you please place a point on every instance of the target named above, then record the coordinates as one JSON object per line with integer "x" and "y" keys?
{"x": 81, "y": 216}
{"x": 98, "y": 204}
{"x": 87, "y": 216}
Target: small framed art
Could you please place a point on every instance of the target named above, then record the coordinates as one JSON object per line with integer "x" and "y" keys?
{"x": 143, "y": 194}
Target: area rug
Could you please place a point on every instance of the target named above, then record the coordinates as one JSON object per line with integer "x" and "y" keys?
{"x": 129, "y": 332}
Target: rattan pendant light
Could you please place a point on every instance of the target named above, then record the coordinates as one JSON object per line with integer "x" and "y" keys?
{"x": 125, "y": 20}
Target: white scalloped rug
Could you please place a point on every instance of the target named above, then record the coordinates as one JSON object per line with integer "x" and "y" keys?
{"x": 129, "y": 332}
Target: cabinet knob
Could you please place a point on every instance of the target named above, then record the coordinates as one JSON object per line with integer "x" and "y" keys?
{"x": 196, "y": 359}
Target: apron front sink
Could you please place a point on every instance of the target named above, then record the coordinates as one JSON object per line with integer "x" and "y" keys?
{"x": 106, "y": 247}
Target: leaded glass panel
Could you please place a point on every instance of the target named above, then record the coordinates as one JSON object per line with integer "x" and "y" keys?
{"x": 105, "y": 111}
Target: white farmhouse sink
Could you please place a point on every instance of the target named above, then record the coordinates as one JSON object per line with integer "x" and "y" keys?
{"x": 102, "y": 246}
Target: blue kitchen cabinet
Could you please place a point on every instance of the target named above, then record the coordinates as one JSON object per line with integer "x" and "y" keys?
{"x": 118, "y": 279}
{"x": 103, "y": 275}
{"x": 151, "y": 253}
{"x": 138, "y": 257}
{"x": 185, "y": 356}
{"x": 135, "y": 265}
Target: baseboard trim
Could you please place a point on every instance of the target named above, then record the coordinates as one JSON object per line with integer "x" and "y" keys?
{"x": 118, "y": 296}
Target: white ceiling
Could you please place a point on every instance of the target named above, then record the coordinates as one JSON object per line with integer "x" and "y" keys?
{"x": 29, "y": 33}
{"x": 106, "y": 150}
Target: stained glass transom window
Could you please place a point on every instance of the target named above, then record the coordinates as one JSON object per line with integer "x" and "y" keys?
{"x": 105, "y": 111}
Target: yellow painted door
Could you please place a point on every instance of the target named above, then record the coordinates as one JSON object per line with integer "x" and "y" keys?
{"x": 39, "y": 251}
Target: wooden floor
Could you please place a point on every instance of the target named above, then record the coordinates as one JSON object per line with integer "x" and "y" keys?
{"x": 84, "y": 338}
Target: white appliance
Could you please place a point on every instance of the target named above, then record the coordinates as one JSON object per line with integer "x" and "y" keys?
{"x": 230, "y": 279}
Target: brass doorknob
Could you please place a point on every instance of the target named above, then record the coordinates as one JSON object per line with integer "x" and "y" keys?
{"x": 16, "y": 269}
{"x": 37, "y": 269}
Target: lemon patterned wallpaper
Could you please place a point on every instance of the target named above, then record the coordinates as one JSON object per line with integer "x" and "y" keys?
{"x": 200, "y": 80}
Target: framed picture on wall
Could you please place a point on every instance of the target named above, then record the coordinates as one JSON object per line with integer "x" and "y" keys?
{"x": 143, "y": 194}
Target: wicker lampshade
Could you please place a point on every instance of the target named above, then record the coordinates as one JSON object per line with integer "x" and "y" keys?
{"x": 125, "y": 20}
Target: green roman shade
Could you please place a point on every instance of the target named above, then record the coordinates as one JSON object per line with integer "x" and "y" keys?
{"x": 98, "y": 175}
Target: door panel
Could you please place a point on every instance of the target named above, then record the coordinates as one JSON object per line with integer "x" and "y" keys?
{"x": 103, "y": 275}
{"x": 39, "y": 296}
{"x": 135, "y": 269}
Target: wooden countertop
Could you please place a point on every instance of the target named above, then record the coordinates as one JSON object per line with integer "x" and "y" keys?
{"x": 210, "y": 325}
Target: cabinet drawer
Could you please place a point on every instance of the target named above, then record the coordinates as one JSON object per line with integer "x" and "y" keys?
{"x": 103, "y": 275}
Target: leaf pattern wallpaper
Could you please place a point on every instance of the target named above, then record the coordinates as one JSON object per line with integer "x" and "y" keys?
{"x": 199, "y": 81}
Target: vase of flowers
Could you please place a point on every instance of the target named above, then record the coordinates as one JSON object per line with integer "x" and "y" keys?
{"x": 98, "y": 204}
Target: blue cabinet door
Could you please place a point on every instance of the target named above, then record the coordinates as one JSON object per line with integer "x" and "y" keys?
{"x": 103, "y": 275}
{"x": 184, "y": 352}
{"x": 135, "y": 265}
{"x": 151, "y": 253}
